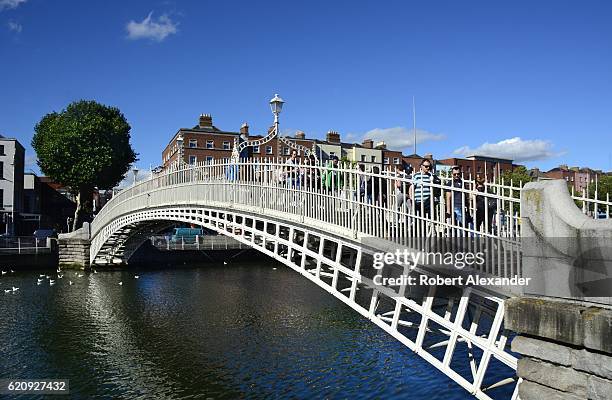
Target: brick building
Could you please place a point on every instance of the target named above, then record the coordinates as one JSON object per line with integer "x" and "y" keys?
{"x": 476, "y": 166}
{"x": 203, "y": 142}
{"x": 579, "y": 178}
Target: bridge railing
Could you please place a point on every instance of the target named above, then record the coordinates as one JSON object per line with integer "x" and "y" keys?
{"x": 372, "y": 204}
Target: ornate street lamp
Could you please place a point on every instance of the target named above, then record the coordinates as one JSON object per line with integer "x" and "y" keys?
{"x": 135, "y": 172}
{"x": 276, "y": 104}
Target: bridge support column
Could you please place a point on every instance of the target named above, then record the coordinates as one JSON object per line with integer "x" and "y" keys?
{"x": 566, "y": 348}
{"x": 74, "y": 248}
{"x": 564, "y": 319}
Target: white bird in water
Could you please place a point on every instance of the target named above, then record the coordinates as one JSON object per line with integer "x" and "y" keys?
{"x": 120, "y": 283}
{"x": 51, "y": 282}
{"x": 58, "y": 269}
{"x": 12, "y": 271}
{"x": 7, "y": 290}
{"x": 224, "y": 262}
{"x": 95, "y": 272}
{"x": 3, "y": 272}
{"x": 39, "y": 281}
{"x": 274, "y": 269}
{"x": 76, "y": 273}
{"x": 70, "y": 283}
{"x": 80, "y": 275}
{"x": 136, "y": 276}
{"x": 60, "y": 276}
{"x": 15, "y": 289}
{"x": 41, "y": 276}
{"x": 47, "y": 276}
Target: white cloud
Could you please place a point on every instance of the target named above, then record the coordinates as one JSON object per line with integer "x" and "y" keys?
{"x": 14, "y": 26}
{"x": 128, "y": 178}
{"x": 151, "y": 29}
{"x": 514, "y": 148}
{"x": 8, "y": 4}
{"x": 397, "y": 138}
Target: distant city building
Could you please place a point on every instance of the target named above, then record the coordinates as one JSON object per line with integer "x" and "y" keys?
{"x": 481, "y": 166}
{"x": 579, "y": 178}
{"x": 12, "y": 157}
{"x": 203, "y": 142}
{"x": 44, "y": 207}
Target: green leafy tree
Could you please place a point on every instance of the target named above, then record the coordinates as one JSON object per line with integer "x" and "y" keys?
{"x": 604, "y": 188}
{"x": 519, "y": 176}
{"x": 86, "y": 145}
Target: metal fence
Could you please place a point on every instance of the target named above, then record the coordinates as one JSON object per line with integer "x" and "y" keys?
{"x": 380, "y": 203}
{"x": 593, "y": 207}
{"x": 198, "y": 242}
{"x": 25, "y": 245}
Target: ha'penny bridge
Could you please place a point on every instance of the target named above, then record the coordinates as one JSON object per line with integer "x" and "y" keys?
{"x": 328, "y": 223}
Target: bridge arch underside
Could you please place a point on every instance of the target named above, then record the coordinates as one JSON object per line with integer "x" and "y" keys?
{"x": 457, "y": 330}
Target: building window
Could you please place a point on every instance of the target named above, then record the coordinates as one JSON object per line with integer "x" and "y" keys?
{"x": 363, "y": 158}
{"x": 256, "y": 149}
{"x": 386, "y": 160}
{"x": 2, "y": 150}
{"x": 193, "y": 160}
{"x": 286, "y": 151}
{"x": 226, "y": 145}
{"x": 373, "y": 158}
{"x": 209, "y": 159}
{"x": 268, "y": 149}
{"x": 479, "y": 170}
{"x": 193, "y": 143}
{"x": 396, "y": 160}
{"x": 1, "y": 169}
{"x": 210, "y": 144}
{"x": 1, "y": 198}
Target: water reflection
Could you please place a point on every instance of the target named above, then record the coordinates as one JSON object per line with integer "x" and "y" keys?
{"x": 238, "y": 331}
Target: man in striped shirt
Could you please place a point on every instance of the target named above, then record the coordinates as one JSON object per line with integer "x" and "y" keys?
{"x": 421, "y": 188}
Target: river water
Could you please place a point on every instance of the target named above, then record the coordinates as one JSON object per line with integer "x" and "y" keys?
{"x": 243, "y": 330}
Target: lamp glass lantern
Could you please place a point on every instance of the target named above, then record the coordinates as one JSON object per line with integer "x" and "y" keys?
{"x": 276, "y": 104}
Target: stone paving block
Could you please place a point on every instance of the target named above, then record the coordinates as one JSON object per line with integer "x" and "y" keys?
{"x": 554, "y": 376}
{"x": 595, "y": 363}
{"x": 533, "y": 391}
{"x": 543, "y": 350}
{"x": 599, "y": 388}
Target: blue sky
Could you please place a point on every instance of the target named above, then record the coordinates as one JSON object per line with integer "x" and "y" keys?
{"x": 525, "y": 80}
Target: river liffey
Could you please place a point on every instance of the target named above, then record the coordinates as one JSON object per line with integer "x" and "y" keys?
{"x": 244, "y": 330}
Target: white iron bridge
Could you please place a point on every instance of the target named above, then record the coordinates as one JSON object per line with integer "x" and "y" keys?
{"x": 328, "y": 223}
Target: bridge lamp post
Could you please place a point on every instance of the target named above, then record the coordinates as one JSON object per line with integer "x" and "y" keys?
{"x": 135, "y": 171}
{"x": 276, "y": 104}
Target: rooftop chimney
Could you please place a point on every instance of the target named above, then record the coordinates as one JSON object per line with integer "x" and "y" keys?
{"x": 300, "y": 135}
{"x": 332, "y": 137}
{"x": 368, "y": 143}
{"x": 205, "y": 121}
{"x": 429, "y": 156}
{"x": 381, "y": 145}
{"x": 244, "y": 129}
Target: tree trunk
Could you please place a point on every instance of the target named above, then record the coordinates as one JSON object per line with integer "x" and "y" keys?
{"x": 81, "y": 199}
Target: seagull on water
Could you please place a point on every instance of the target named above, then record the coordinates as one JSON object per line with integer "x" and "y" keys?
{"x": 3, "y": 272}
{"x": 41, "y": 276}
{"x": 95, "y": 272}
{"x": 224, "y": 262}
{"x": 59, "y": 269}
{"x": 15, "y": 289}
{"x": 51, "y": 282}
{"x": 39, "y": 281}
{"x": 120, "y": 283}
{"x": 80, "y": 275}
{"x": 70, "y": 283}
{"x": 7, "y": 290}
{"x": 12, "y": 271}
{"x": 136, "y": 276}
{"x": 274, "y": 269}
{"x": 60, "y": 276}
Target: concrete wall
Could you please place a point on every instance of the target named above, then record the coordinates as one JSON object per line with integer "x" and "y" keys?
{"x": 73, "y": 248}
{"x": 566, "y": 253}
{"x": 564, "y": 323}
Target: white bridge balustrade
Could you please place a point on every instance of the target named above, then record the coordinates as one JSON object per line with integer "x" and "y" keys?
{"x": 327, "y": 222}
